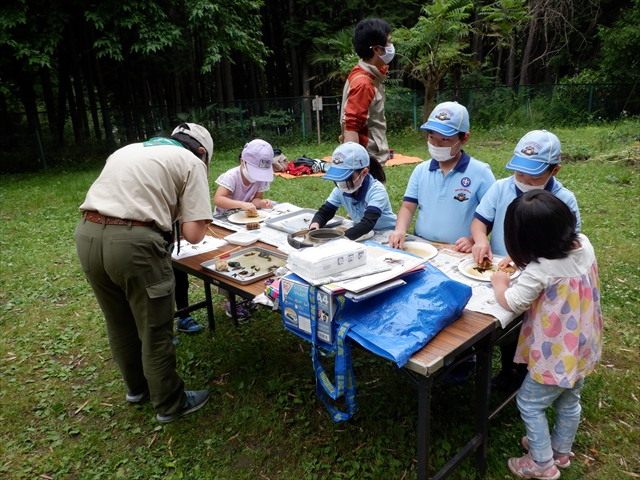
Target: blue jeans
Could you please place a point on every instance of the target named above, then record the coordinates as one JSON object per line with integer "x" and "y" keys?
{"x": 533, "y": 399}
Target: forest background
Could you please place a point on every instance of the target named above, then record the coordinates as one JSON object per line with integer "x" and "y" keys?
{"x": 78, "y": 75}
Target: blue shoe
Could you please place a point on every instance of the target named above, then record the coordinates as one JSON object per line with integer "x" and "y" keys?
{"x": 188, "y": 325}
{"x": 196, "y": 399}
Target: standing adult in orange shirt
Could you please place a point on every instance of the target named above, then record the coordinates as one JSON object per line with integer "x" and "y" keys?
{"x": 362, "y": 112}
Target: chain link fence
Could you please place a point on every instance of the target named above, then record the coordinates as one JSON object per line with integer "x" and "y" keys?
{"x": 294, "y": 120}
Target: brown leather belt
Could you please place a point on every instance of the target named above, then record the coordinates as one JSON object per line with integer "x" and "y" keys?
{"x": 95, "y": 217}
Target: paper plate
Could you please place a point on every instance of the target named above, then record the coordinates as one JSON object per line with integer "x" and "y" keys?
{"x": 467, "y": 268}
{"x": 242, "y": 218}
{"x": 420, "y": 249}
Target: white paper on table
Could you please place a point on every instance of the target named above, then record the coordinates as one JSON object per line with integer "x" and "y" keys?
{"x": 406, "y": 262}
{"x": 189, "y": 249}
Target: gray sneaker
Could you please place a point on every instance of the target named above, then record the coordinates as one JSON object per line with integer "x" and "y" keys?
{"x": 196, "y": 399}
{"x": 139, "y": 398}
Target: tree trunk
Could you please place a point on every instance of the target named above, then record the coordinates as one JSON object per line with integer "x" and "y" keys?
{"x": 220, "y": 93}
{"x": 49, "y": 102}
{"x": 78, "y": 87}
{"x": 498, "y": 66}
{"x": 511, "y": 63}
{"x": 63, "y": 80}
{"x": 295, "y": 69}
{"x": 306, "y": 92}
{"x": 102, "y": 94}
{"x": 27, "y": 96}
{"x": 227, "y": 78}
{"x": 88, "y": 76}
{"x": 532, "y": 34}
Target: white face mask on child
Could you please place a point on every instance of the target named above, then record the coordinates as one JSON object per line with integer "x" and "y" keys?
{"x": 527, "y": 188}
{"x": 345, "y": 189}
{"x": 245, "y": 172}
{"x": 441, "y": 154}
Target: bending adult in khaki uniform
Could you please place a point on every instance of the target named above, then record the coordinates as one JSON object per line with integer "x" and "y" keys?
{"x": 124, "y": 243}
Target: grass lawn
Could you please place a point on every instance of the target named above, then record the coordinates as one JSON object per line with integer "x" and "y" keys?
{"x": 63, "y": 413}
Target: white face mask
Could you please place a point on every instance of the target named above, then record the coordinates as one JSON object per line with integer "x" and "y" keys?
{"x": 390, "y": 52}
{"x": 442, "y": 154}
{"x": 345, "y": 189}
{"x": 245, "y": 172}
{"x": 527, "y": 188}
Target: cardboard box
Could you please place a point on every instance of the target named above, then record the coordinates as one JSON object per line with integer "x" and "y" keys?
{"x": 296, "y": 310}
{"x": 326, "y": 259}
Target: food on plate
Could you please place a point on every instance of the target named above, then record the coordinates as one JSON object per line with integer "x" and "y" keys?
{"x": 486, "y": 264}
{"x": 253, "y": 226}
{"x": 510, "y": 269}
{"x": 252, "y": 214}
{"x": 222, "y": 266}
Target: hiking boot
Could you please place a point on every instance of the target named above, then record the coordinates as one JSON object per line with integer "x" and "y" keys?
{"x": 139, "y": 398}
{"x": 560, "y": 460}
{"x": 526, "y": 467}
{"x": 188, "y": 325}
{"x": 242, "y": 312}
{"x": 196, "y": 399}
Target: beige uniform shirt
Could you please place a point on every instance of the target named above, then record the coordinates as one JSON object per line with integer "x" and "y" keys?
{"x": 152, "y": 181}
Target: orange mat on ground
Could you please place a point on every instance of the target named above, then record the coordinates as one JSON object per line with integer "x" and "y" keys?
{"x": 398, "y": 159}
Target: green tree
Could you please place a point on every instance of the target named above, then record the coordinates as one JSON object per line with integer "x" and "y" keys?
{"x": 439, "y": 40}
{"x": 336, "y": 53}
{"x": 619, "y": 60}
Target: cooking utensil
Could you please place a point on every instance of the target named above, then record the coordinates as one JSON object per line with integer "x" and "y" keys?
{"x": 312, "y": 238}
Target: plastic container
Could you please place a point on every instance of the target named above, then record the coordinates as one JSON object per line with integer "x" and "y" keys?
{"x": 243, "y": 238}
{"x": 328, "y": 258}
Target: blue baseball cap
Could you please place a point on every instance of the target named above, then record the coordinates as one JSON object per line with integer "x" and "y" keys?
{"x": 448, "y": 119}
{"x": 535, "y": 152}
{"x": 346, "y": 159}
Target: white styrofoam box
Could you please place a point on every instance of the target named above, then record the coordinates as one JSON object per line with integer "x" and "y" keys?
{"x": 328, "y": 258}
{"x": 242, "y": 238}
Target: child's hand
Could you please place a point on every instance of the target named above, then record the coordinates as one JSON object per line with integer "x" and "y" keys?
{"x": 481, "y": 250}
{"x": 463, "y": 244}
{"x": 265, "y": 203}
{"x": 500, "y": 279}
{"x": 396, "y": 239}
{"x": 505, "y": 262}
{"x": 249, "y": 207}
{"x": 314, "y": 226}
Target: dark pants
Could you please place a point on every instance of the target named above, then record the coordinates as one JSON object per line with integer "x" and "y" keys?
{"x": 129, "y": 270}
{"x": 182, "y": 290}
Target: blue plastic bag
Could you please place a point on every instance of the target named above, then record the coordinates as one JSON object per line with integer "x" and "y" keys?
{"x": 397, "y": 324}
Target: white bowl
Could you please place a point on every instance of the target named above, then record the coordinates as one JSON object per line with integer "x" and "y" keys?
{"x": 243, "y": 238}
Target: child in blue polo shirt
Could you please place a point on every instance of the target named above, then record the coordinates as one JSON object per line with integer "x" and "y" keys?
{"x": 446, "y": 190}
{"x": 535, "y": 163}
{"x": 359, "y": 189}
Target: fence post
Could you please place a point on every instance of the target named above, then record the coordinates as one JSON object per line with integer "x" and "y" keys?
{"x": 415, "y": 110}
{"x": 590, "y": 99}
{"x": 304, "y": 127}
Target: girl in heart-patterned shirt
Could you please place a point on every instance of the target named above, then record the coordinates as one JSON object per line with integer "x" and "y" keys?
{"x": 561, "y": 335}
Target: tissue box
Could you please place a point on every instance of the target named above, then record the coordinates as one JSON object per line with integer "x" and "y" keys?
{"x": 326, "y": 259}
{"x": 296, "y": 311}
